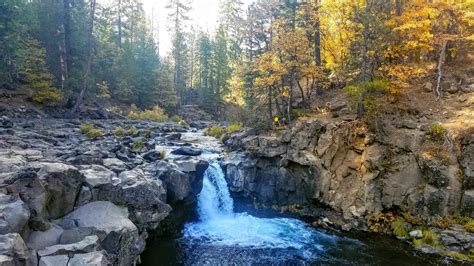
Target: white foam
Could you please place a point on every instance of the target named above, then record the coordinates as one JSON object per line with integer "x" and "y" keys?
{"x": 219, "y": 225}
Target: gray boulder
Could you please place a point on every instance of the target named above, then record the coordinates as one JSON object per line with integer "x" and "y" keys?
{"x": 115, "y": 165}
{"x": 118, "y": 235}
{"x": 145, "y": 198}
{"x": 97, "y": 175}
{"x": 11, "y": 163}
{"x": 88, "y": 259}
{"x": 63, "y": 183}
{"x": 34, "y": 194}
{"x": 14, "y": 214}
{"x": 13, "y": 246}
{"x": 39, "y": 240}
{"x": 88, "y": 244}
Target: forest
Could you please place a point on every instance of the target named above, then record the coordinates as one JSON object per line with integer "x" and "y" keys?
{"x": 269, "y": 57}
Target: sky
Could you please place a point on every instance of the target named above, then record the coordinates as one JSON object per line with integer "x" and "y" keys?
{"x": 204, "y": 15}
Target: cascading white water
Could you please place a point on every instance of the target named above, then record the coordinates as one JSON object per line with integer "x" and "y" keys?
{"x": 220, "y": 226}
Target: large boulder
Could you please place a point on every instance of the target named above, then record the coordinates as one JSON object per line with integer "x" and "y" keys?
{"x": 63, "y": 183}
{"x": 33, "y": 192}
{"x": 39, "y": 240}
{"x": 14, "y": 214}
{"x": 144, "y": 197}
{"x": 115, "y": 165}
{"x": 13, "y": 248}
{"x": 96, "y": 258}
{"x": 96, "y": 175}
{"x": 11, "y": 163}
{"x": 118, "y": 235}
{"x": 183, "y": 181}
{"x": 88, "y": 244}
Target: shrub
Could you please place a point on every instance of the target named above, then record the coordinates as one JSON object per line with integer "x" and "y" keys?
{"x": 85, "y": 128}
{"x": 398, "y": 227}
{"x": 215, "y": 131}
{"x": 234, "y": 127}
{"x": 176, "y": 118}
{"x": 132, "y": 131}
{"x": 138, "y": 145}
{"x": 444, "y": 222}
{"x": 469, "y": 226}
{"x": 156, "y": 114}
{"x": 95, "y": 133}
{"x": 366, "y": 92}
{"x": 437, "y": 132}
{"x": 429, "y": 238}
{"x": 48, "y": 96}
{"x": 120, "y": 132}
{"x": 412, "y": 219}
{"x": 90, "y": 131}
{"x": 145, "y": 133}
{"x": 461, "y": 256}
{"x": 183, "y": 123}
{"x": 380, "y": 222}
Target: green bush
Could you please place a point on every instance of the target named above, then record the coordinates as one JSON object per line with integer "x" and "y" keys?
{"x": 398, "y": 227}
{"x": 90, "y": 131}
{"x": 48, "y": 96}
{"x": 429, "y": 238}
{"x": 234, "y": 127}
{"x": 146, "y": 133}
{"x": 85, "y": 128}
{"x": 215, "y": 131}
{"x": 176, "y": 118}
{"x": 469, "y": 226}
{"x": 120, "y": 132}
{"x": 437, "y": 132}
{"x": 138, "y": 145}
{"x": 132, "y": 131}
{"x": 156, "y": 114}
{"x": 366, "y": 92}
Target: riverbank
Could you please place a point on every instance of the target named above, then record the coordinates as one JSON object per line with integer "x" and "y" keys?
{"x": 91, "y": 189}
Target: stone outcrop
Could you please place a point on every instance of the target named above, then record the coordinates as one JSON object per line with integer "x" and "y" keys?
{"x": 61, "y": 191}
{"x": 345, "y": 167}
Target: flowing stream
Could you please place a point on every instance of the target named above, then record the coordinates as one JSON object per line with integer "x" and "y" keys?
{"x": 221, "y": 236}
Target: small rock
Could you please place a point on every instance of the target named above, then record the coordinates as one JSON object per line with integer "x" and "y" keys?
{"x": 428, "y": 87}
{"x": 416, "y": 234}
{"x": 189, "y": 151}
{"x": 152, "y": 156}
{"x": 6, "y": 122}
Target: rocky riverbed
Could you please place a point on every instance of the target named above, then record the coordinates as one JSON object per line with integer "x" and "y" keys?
{"x": 67, "y": 197}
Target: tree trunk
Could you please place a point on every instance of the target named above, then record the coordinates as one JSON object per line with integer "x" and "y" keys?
{"x": 442, "y": 58}
{"x": 87, "y": 70}
{"x": 119, "y": 24}
{"x": 317, "y": 37}
{"x": 270, "y": 106}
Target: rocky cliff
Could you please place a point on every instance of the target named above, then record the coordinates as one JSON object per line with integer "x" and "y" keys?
{"x": 420, "y": 170}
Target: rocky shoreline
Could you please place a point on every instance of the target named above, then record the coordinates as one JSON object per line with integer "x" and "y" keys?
{"x": 360, "y": 180}
{"x": 66, "y": 196}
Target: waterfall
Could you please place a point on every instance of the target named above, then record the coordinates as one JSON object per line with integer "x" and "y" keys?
{"x": 219, "y": 225}
{"x": 214, "y": 201}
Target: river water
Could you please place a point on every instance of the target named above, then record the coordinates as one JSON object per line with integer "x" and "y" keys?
{"x": 221, "y": 236}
